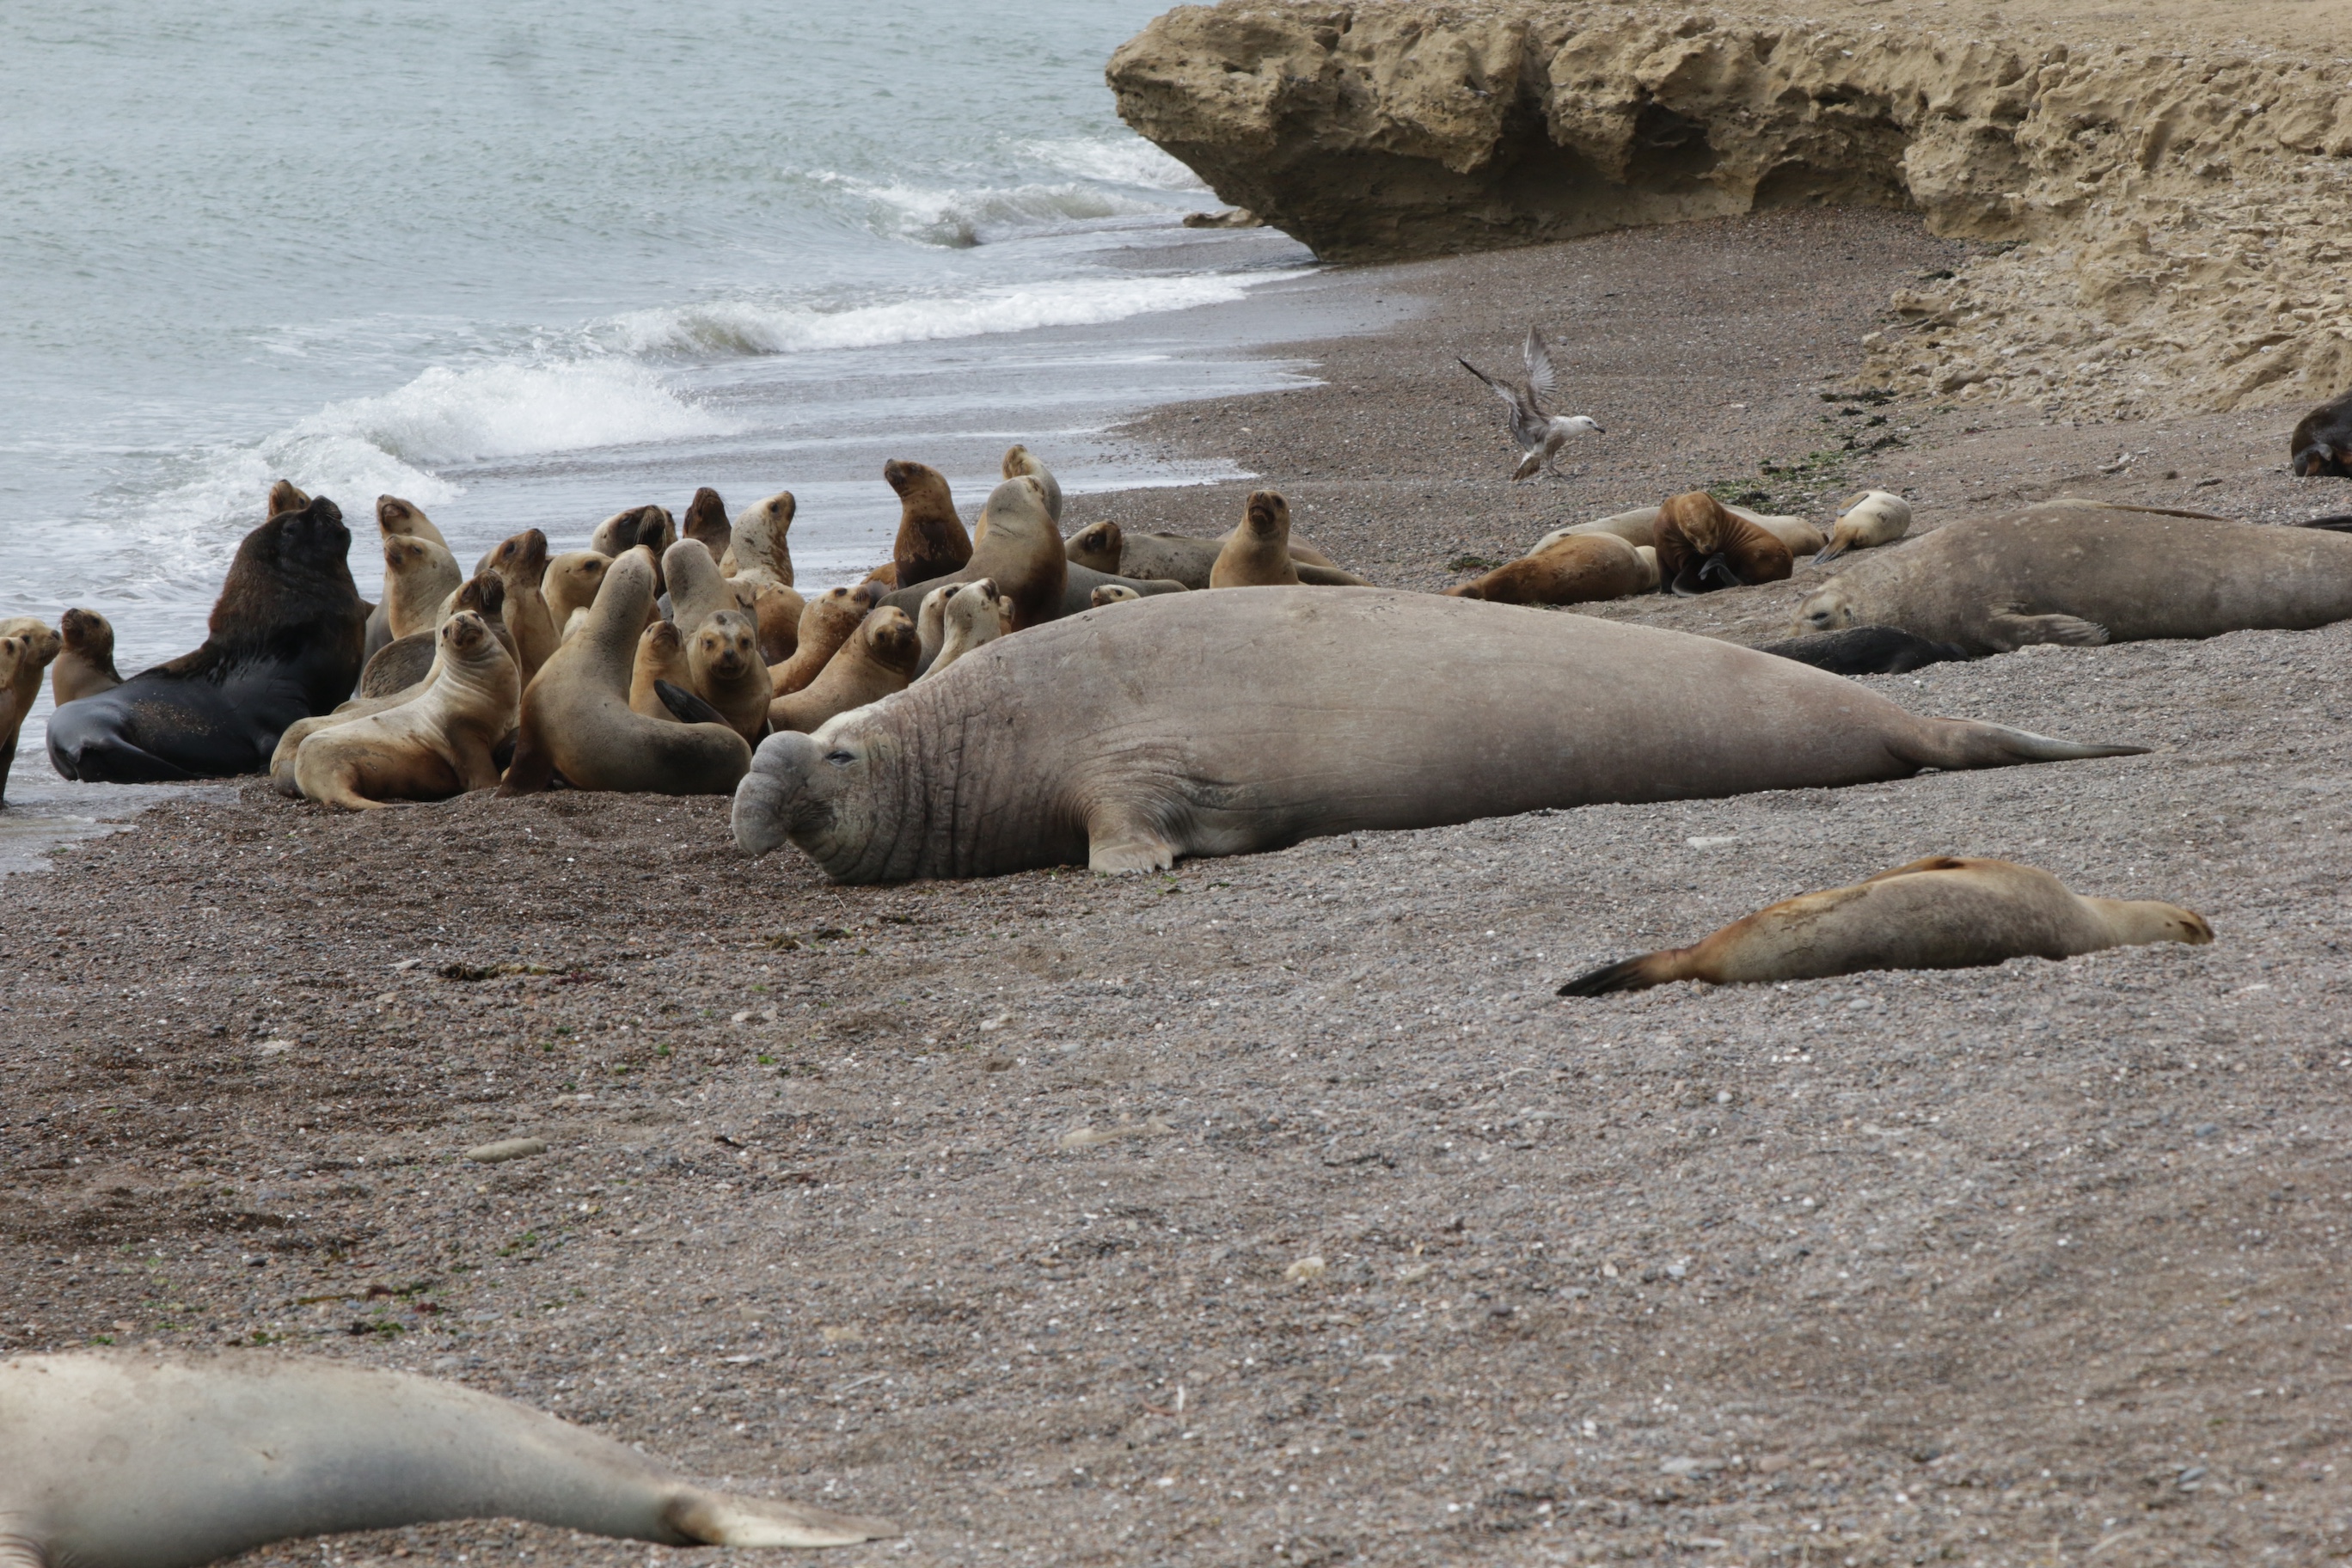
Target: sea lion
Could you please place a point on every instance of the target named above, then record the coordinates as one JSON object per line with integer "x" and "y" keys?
{"x": 26, "y": 647}
{"x": 1578, "y": 569}
{"x": 724, "y": 659}
{"x": 394, "y": 519}
{"x": 406, "y": 520}
{"x": 1639, "y": 527}
{"x": 170, "y": 1461}
{"x": 1223, "y": 723}
{"x": 568, "y": 583}
{"x": 1943, "y": 912}
{"x": 2082, "y": 574}
{"x": 397, "y": 665}
{"x": 85, "y": 663}
{"x": 1866, "y": 521}
{"x": 436, "y": 745}
{"x": 1019, "y": 461}
{"x": 777, "y": 612}
{"x": 1104, "y": 548}
{"x": 826, "y": 625}
{"x": 1866, "y": 650}
{"x": 931, "y": 539}
{"x": 625, "y": 531}
{"x": 576, "y": 721}
{"x": 706, "y": 522}
{"x": 696, "y": 590}
{"x": 879, "y": 659}
{"x": 1702, "y": 546}
{"x": 1112, "y": 593}
{"x": 1256, "y": 555}
{"x": 973, "y": 615}
{"x": 285, "y": 495}
{"x": 417, "y": 576}
{"x": 520, "y": 563}
{"x": 2322, "y": 443}
{"x": 660, "y": 656}
{"x": 931, "y": 622}
{"x": 286, "y": 640}
{"x": 758, "y": 548}
{"x": 1022, "y": 552}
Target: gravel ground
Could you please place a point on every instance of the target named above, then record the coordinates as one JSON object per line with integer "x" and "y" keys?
{"x": 1275, "y": 1210}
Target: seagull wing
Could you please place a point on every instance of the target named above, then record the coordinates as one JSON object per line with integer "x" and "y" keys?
{"x": 1528, "y": 426}
{"x": 1541, "y": 379}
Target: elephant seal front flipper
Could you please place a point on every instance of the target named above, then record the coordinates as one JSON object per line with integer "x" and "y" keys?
{"x": 2019, "y": 630}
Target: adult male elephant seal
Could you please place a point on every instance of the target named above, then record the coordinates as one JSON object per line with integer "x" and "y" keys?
{"x": 287, "y": 641}
{"x": 1223, "y": 723}
{"x": 576, "y": 719}
{"x": 2082, "y": 574}
{"x": 168, "y": 1462}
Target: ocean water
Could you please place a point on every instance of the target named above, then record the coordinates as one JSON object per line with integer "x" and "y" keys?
{"x": 526, "y": 264}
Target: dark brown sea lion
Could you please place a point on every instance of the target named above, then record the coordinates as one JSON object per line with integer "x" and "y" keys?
{"x": 2322, "y": 443}
{"x": 706, "y": 521}
{"x": 85, "y": 666}
{"x": 287, "y": 637}
{"x": 932, "y": 538}
{"x": 1703, "y": 546}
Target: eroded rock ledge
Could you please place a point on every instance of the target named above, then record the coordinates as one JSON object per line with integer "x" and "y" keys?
{"x": 2173, "y": 223}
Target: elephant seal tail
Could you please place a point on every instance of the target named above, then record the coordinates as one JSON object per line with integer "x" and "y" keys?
{"x": 721, "y": 1519}
{"x": 1955, "y": 744}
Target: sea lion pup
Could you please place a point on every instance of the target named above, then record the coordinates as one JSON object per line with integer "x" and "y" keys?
{"x": 974, "y": 614}
{"x": 576, "y": 721}
{"x": 722, "y": 657}
{"x": 1702, "y": 547}
{"x": 1257, "y": 554}
{"x": 931, "y": 539}
{"x": 1578, "y": 569}
{"x": 286, "y": 639}
{"x": 879, "y": 659}
{"x": 660, "y": 656}
{"x": 1866, "y": 650}
{"x": 1020, "y": 460}
{"x": 169, "y": 1461}
{"x": 434, "y": 746}
{"x": 706, "y": 521}
{"x": 1127, "y": 741}
{"x": 1112, "y": 593}
{"x": 1943, "y": 912}
{"x": 826, "y": 625}
{"x": 2322, "y": 443}
{"x": 2081, "y": 573}
{"x": 418, "y": 574}
{"x": 1865, "y": 521}
{"x": 758, "y": 547}
{"x": 625, "y": 531}
{"x": 568, "y": 583}
{"x": 85, "y": 662}
{"x": 26, "y": 647}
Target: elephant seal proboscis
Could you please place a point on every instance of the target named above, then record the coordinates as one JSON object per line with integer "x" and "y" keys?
{"x": 1223, "y": 723}
{"x": 1580, "y": 569}
{"x": 758, "y": 545}
{"x": 2081, "y": 573}
{"x": 931, "y": 539}
{"x": 438, "y": 744}
{"x": 118, "y": 1461}
{"x": 576, "y": 719}
{"x": 705, "y": 521}
{"x": 879, "y": 659}
{"x": 1866, "y": 521}
{"x": 1866, "y": 650}
{"x": 1943, "y": 912}
{"x": 826, "y": 622}
{"x": 85, "y": 664}
{"x": 2321, "y": 445}
{"x": 1256, "y": 555}
{"x": 973, "y": 615}
{"x": 26, "y": 647}
{"x": 287, "y": 640}
{"x": 1703, "y": 546}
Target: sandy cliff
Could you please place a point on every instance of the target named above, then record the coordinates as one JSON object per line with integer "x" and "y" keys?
{"x": 2166, "y": 213}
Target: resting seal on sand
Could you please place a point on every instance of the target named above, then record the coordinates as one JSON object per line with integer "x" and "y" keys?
{"x": 826, "y": 622}
{"x": 2082, "y": 574}
{"x": 576, "y": 719}
{"x": 879, "y": 659}
{"x": 1106, "y": 548}
{"x": 1256, "y": 553}
{"x": 757, "y": 547}
{"x": 1866, "y": 521}
{"x": 1866, "y": 650}
{"x": 1575, "y": 570}
{"x": 26, "y": 646}
{"x": 434, "y": 746}
{"x": 1223, "y": 723}
{"x": 1703, "y": 546}
{"x": 1639, "y": 527}
{"x": 169, "y": 1462}
{"x": 931, "y": 539}
{"x": 85, "y": 665}
{"x": 287, "y": 640}
{"x": 2322, "y": 443}
{"x": 1937, "y": 913}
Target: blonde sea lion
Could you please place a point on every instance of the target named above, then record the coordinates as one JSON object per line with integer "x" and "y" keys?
{"x": 568, "y": 583}
{"x": 777, "y": 612}
{"x": 521, "y": 564}
{"x": 1257, "y": 554}
{"x": 1127, "y": 741}
{"x": 1866, "y": 521}
{"x": 85, "y": 662}
{"x": 2081, "y": 573}
{"x": 1943, "y": 912}
{"x": 706, "y": 522}
{"x": 931, "y": 539}
{"x": 879, "y": 659}
{"x": 395, "y": 515}
{"x": 974, "y": 615}
{"x": 1702, "y": 546}
{"x": 1112, "y": 593}
{"x": 285, "y": 495}
{"x": 931, "y": 623}
{"x": 159, "y": 1460}
{"x": 826, "y": 625}
{"x": 417, "y": 576}
{"x": 576, "y": 721}
{"x": 660, "y": 656}
{"x": 1020, "y": 460}
{"x": 697, "y": 589}
{"x": 1578, "y": 569}
{"x": 434, "y": 746}
{"x": 758, "y": 547}
{"x": 723, "y": 660}
{"x": 26, "y": 647}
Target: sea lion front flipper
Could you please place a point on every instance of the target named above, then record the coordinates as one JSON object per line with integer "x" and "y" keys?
{"x": 1627, "y": 975}
{"x": 2335, "y": 524}
{"x": 1120, "y": 838}
{"x": 1719, "y": 570}
{"x": 685, "y": 706}
{"x": 2009, "y": 631}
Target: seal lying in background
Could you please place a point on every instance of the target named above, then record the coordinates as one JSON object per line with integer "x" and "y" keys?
{"x": 123, "y": 1462}
{"x": 1703, "y": 546}
{"x": 2082, "y": 574}
{"x": 1864, "y": 650}
{"x": 1937, "y": 913}
{"x": 1574, "y": 569}
{"x": 287, "y": 641}
{"x": 1107, "y": 548}
{"x": 2322, "y": 443}
{"x": 1223, "y": 723}
{"x": 1868, "y": 520}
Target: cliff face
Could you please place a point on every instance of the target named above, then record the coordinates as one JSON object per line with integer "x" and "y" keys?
{"x": 2172, "y": 221}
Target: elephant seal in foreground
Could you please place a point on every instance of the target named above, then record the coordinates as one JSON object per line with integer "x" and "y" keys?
{"x": 1866, "y": 650}
{"x": 1939, "y": 913}
{"x": 152, "y": 1462}
{"x": 1223, "y": 723}
{"x": 85, "y": 665}
{"x": 576, "y": 721}
{"x": 287, "y": 641}
{"x": 2082, "y": 574}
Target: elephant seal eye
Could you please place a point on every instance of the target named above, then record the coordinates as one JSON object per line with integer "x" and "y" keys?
{"x": 840, "y": 759}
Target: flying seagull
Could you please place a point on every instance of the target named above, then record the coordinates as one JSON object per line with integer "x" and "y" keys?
{"x": 1540, "y": 436}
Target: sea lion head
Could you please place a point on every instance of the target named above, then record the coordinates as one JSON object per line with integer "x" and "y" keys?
{"x": 1019, "y": 503}
{"x": 776, "y": 511}
{"x": 819, "y": 791}
{"x": 1828, "y": 608}
{"x": 625, "y": 531}
{"x": 706, "y": 520}
{"x": 1111, "y": 594}
{"x": 525, "y": 552}
{"x": 286, "y": 496}
{"x": 1267, "y": 517}
{"x": 979, "y": 604}
{"x": 1097, "y": 546}
{"x": 88, "y": 634}
{"x": 25, "y": 654}
{"x": 465, "y": 636}
{"x": 393, "y": 515}
{"x": 907, "y": 477}
{"x": 401, "y": 553}
{"x": 890, "y": 639}
{"x": 726, "y": 646}
{"x": 485, "y": 594}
